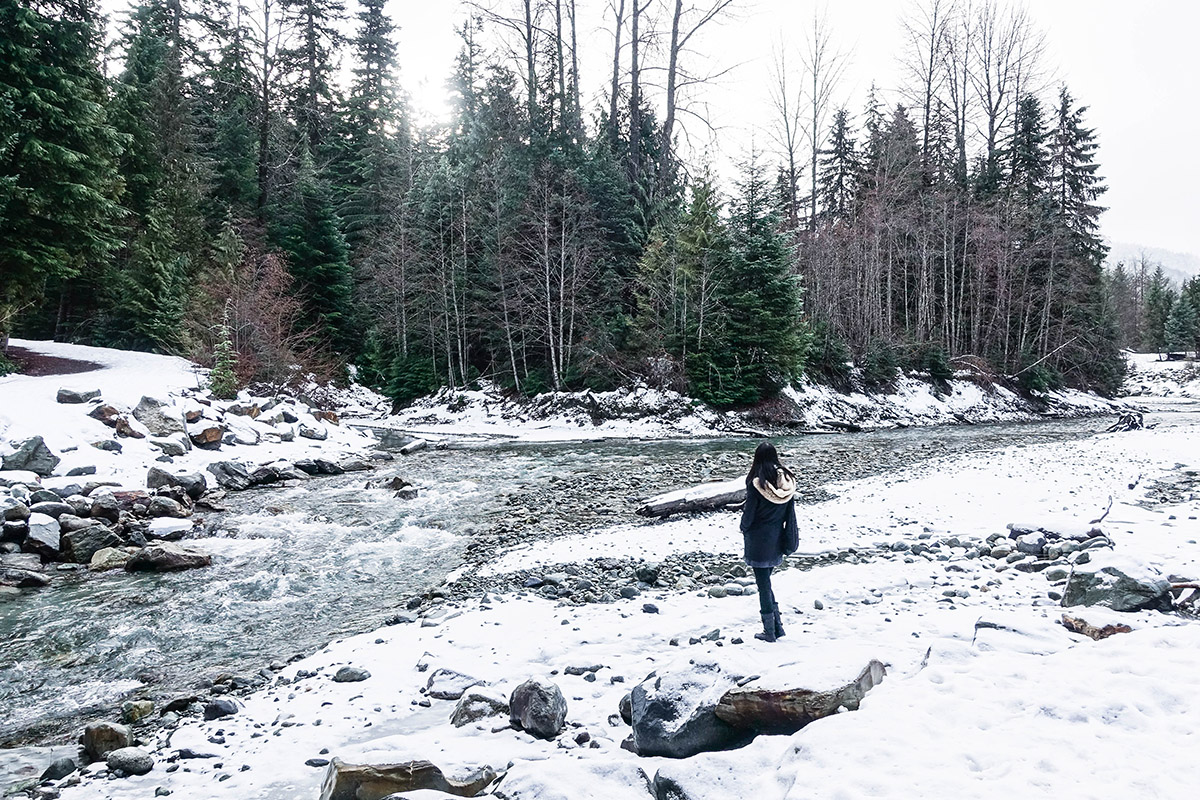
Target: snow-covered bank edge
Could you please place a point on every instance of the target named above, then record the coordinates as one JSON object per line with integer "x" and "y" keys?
{"x": 646, "y": 413}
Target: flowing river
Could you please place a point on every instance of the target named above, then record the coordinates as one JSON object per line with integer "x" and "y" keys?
{"x": 296, "y": 567}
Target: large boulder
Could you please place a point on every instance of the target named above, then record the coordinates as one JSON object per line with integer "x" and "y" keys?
{"x": 1118, "y": 584}
{"x": 101, "y": 738}
{"x": 230, "y": 475}
{"x": 44, "y": 537}
{"x": 32, "y": 455}
{"x": 477, "y": 704}
{"x": 130, "y": 761}
{"x": 173, "y": 446}
{"x": 167, "y": 557}
{"x": 75, "y": 396}
{"x": 161, "y": 506}
{"x": 82, "y": 545}
{"x": 538, "y": 707}
{"x": 160, "y": 417}
{"x": 376, "y": 781}
{"x": 674, "y": 714}
{"x": 785, "y": 711}
{"x": 22, "y": 578}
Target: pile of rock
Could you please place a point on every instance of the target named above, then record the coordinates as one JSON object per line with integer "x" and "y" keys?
{"x": 97, "y": 523}
{"x": 174, "y": 426}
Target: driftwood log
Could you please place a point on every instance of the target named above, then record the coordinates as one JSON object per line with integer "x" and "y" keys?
{"x": 375, "y": 781}
{"x": 1080, "y": 625}
{"x": 705, "y": 497}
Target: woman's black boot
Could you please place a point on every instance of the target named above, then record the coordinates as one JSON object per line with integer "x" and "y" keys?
{"x": 779, "y": 632}
{"x": 768, "y": 634}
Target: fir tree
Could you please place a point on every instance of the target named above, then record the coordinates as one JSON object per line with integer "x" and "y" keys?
{"x": 1182, "y": 326}
{"x": 309, "y": 231}
{"x": 761, "y": 343}
{"x": 840, "y": 169}
{"x": 58, "y": 151}
{"x": 1159, "y": 300}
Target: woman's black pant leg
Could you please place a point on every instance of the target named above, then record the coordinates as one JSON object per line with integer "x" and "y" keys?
{"x": 766, "y": 597}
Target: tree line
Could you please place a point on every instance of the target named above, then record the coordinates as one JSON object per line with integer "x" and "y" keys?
{"x": 248, "y": 180}
{"x": 1153, "y": 315}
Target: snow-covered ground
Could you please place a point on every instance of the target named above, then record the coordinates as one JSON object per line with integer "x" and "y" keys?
{"x": 1016, "y": 705}
{"x": 1153, "y": 378}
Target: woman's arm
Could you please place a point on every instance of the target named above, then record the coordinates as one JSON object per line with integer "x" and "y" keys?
{"x": 749, "y": 508}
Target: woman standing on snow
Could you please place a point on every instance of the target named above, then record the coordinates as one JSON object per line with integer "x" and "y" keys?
{"x": 769, "y": 529}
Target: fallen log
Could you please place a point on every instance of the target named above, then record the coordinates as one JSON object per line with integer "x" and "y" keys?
{"x": 1080, "y": 625}
{"x": 705, "y": 497}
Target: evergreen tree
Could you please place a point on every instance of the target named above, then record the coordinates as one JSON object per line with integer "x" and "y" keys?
{"x": 309, "y": 231}
{"x": 230, "y": 108}
{"x": 760, "y": 344}
{"x": 58, "y": 151}
{"x": 311, "y": 62}
{"x": 1182, "y": 326}
{"x": 839, "y": 170}
{"x": 1159, "y": 300}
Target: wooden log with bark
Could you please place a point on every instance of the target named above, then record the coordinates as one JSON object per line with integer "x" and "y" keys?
{"x": 1080, "y": 625}
{"x": 712, "y": 496}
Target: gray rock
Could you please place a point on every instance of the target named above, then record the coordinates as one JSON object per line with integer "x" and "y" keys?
{"x": 538, "y": 707}
{"x": 355, "y": 465}
{"x": 76, "y": 397}
{"x": 13, "y": 510}
{"x": 1031, "y": 543}
{"x": 51, "y": 508}
{"x": 105, "y": 506}
{"x": 311, "y": 431}
{"x": 1121, "y": 588}
{"x": 22, "y": 578}
{"x": 32, "y": 455}
{"x": 80, "y": 545}
{"x": 43, "y": 496}
{"x": 62, "y": 767}
{"x": 76, "y": 472}
{"x": 174, "y": 446}
{"x": 130, "y": 761}
{"x": 159, "y": 416}
{"x": 14, "y": 532}
{"x": 44, "y": 536}
{"x": 194, "y": 484}
{"x": 647, "y": 573}
{"x": 674, "y": 715}
{"x": 108, "y": 445}
{"x": 166, "y": 507}
{"x": 1001, "y": 551}
{"x": 230, "y": 475}
{"x": 101, "y": 738}
{"x": 167, "y": 557}
{"x": 446, "y": 684}
{"x": 375, "y": 781}
{"x": 351, "y": 675}
{"x": 477, "y": 704}
{"x": 221, "y": 707}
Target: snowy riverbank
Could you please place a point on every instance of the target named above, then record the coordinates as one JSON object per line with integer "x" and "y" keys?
{"x": 985, "y": 694}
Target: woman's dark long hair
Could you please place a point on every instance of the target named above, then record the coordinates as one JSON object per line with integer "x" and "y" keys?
{"x": 766, "y": 466}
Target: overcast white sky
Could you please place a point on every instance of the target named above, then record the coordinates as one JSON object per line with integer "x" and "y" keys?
{"x": 1135, "y": 64}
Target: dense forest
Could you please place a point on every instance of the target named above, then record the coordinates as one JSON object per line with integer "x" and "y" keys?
{"x": 244, "y": 184}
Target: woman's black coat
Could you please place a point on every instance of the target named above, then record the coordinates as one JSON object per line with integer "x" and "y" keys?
{"x": 769, "y": 529}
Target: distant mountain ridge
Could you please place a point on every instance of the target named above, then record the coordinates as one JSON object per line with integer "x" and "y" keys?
{"x": 1177, "y": 266}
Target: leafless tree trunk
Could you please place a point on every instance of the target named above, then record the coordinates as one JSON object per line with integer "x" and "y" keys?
{"x": 824, "y": 66}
